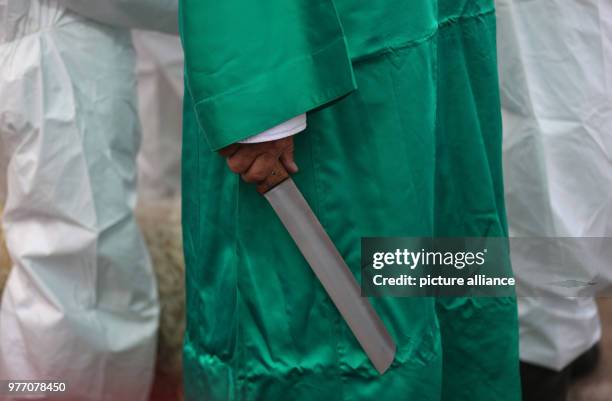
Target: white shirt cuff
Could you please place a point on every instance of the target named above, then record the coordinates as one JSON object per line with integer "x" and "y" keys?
{"x": 288, "y": 128}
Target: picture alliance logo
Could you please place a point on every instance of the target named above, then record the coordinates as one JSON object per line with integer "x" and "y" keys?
{"x": 478, "y": 280}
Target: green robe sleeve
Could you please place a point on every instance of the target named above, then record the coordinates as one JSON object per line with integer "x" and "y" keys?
{"x": 253, "y": 64}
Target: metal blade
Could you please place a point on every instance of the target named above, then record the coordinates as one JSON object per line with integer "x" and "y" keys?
{"x": 331, "y": 270}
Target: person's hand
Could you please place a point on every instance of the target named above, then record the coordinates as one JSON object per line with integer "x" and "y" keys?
{"x": 256, "y": 161}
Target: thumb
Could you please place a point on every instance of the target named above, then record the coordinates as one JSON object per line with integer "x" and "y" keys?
{"x": 287, "y": 160}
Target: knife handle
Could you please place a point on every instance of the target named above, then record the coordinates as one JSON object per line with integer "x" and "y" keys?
{"x": 279, "y": 174}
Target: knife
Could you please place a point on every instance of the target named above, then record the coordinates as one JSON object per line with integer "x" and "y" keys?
{"x": 329, "y": 267}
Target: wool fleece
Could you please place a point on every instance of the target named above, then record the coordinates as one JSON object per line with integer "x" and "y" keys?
{"x": 403, "y": 139}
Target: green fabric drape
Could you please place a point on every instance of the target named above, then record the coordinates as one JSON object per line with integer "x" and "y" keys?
{"x": 403, "y": 139}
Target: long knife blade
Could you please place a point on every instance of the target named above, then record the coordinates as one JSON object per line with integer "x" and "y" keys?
{"x": 333, "y": 273}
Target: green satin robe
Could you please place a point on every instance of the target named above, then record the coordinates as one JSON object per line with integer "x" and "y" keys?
{"x": 403, "y": 139}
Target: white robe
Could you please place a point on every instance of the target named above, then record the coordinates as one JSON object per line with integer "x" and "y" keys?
{"x": 555, "y": 59}
{"x": 81, "y": 303}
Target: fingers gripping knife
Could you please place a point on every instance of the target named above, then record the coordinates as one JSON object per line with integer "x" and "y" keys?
{"x": 329, "y": 267}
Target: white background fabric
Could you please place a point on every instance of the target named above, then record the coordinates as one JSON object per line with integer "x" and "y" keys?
{"x": 3, "y": 168}
{"x": 160, "y": 98}
{"x": 555, "y": 68}
{"x": 81, "y": 303}
{"x": 158, "y": 15}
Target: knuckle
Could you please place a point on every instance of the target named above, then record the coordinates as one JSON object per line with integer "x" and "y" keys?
{"x": 236, "y": 165}
{"x": 253, "y": 177}
{"x": 259, "y": 175}
{"x": 281, "y": 145}
{"x": 288, "y": 154}
{"x": 247, "y": 178}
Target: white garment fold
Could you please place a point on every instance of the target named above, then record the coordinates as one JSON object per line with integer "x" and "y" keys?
{"x": 556, "y": 78}
{"x": 160, "y": 98}
{"x": 81, "y": 304}
{"x": 159, "y": 15}
{"x": 288, "y": 128}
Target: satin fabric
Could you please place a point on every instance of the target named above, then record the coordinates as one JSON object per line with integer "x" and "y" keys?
{"x": 403, "y": 139}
